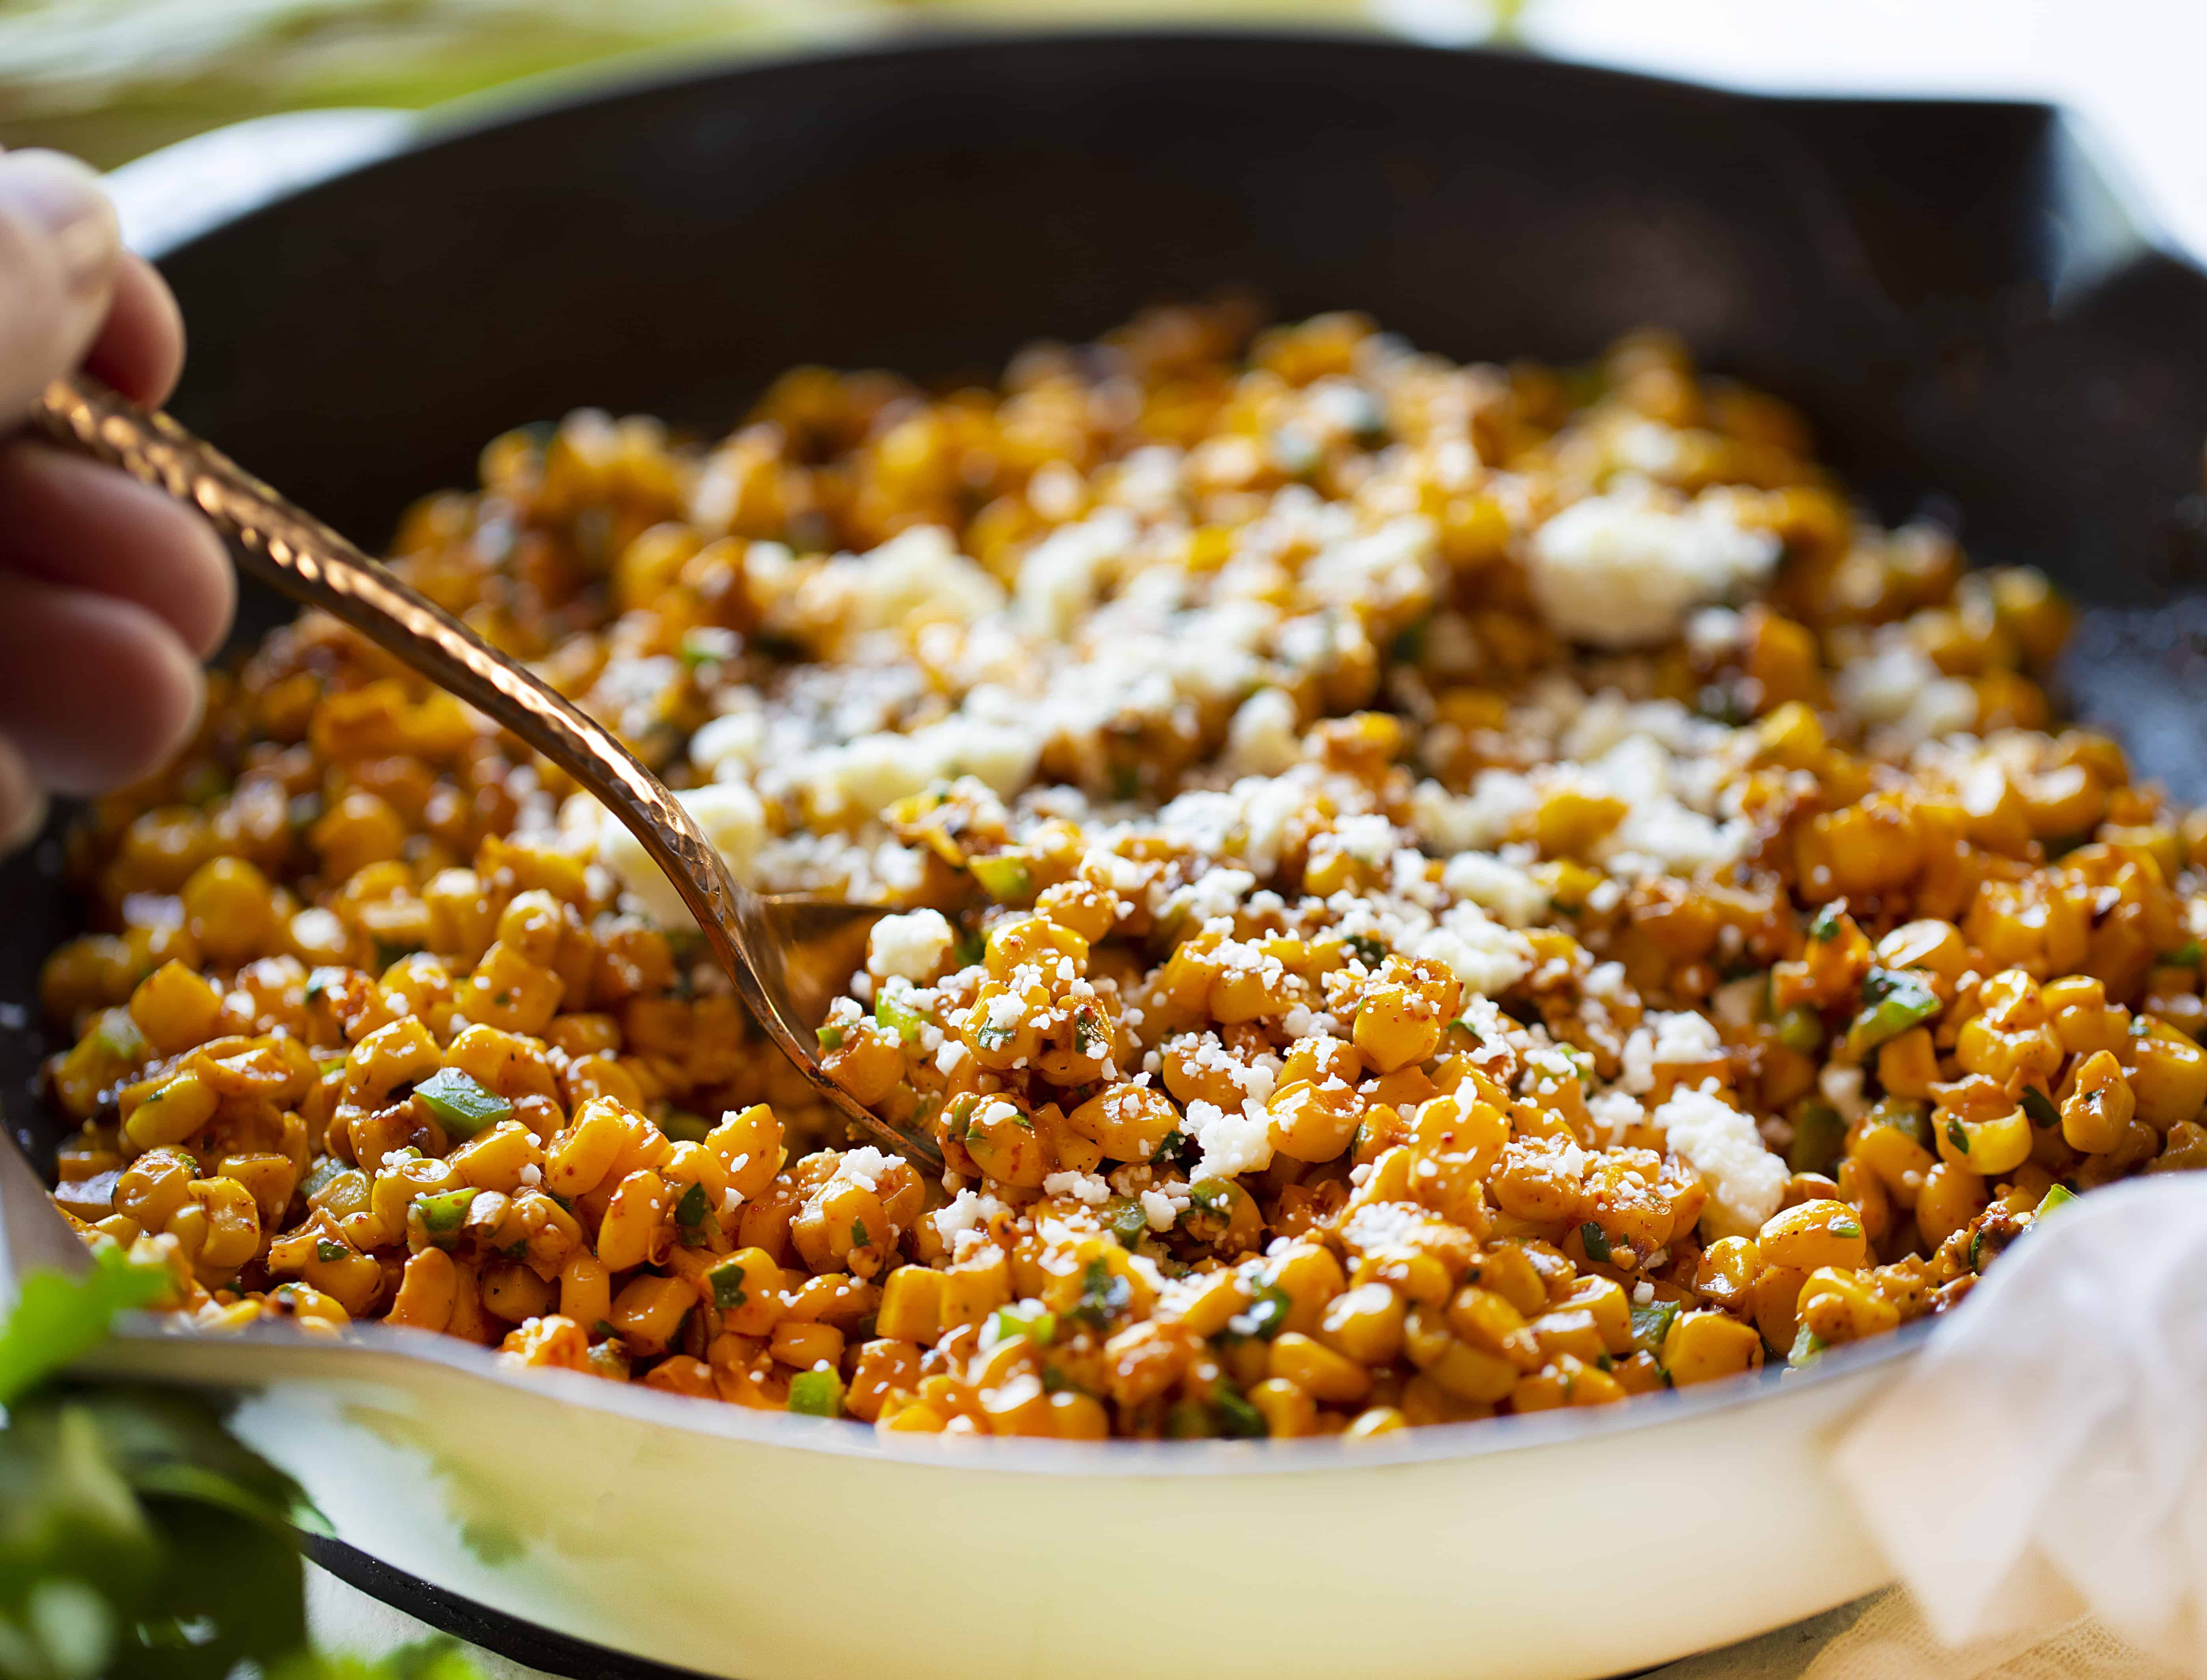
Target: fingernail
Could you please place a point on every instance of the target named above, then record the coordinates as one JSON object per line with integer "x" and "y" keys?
{"x": 63, "y": 197}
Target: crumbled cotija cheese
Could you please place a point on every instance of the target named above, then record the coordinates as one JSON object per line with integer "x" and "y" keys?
{"x": 1746, "y": 1182}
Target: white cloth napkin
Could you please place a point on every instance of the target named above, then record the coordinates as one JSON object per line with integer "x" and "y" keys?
{"x": 2046, "y": 1458}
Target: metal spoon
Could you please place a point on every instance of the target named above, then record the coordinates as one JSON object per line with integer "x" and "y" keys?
{"x": 788, "y": 956}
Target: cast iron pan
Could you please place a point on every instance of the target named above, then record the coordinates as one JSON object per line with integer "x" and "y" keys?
{"x": 1958, "y": 296}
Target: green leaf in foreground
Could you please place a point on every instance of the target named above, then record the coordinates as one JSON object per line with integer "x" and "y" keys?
{"x": 57, "y": 1319}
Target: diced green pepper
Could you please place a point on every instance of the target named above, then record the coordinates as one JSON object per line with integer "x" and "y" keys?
{"x": 895, "y": 1011}
{"x": 1894, "y": 1000}
{"x": 1103, "y": 1296}
{"x": 1237, "y": 1418}
{"x": 1826, "y": 926}
{"x": 1004, "y": 877}
{"x": 1039, "y": 1326}
{"x": 830, "y": 1038}
{"x": 2186, "y": 955}
{"x": 1265, "y": 1317}
{"x": 1818, "y": 1133}
{"x": 1806, "y": 1346}
{"x": 1368, "y": 951}
{"x": 327, "y": 1250}
{"x": 442, "y": 1212}
{"x": 2040, "y": 1107}
{"x": 1128, "y": 1223}
{"x": 462, "y": 1107}
{"x": 119, "y": 1037}
{"x": 2058, "y": 1196}
{"x": 1903, "y": 1114}
{"x": 327, "y": 1172}
{"x": 1801, "y": 1029}
{"x": 816, "y": 1394}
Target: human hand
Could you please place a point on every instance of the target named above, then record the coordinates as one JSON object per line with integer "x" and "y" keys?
{"x": 109, "y": 592}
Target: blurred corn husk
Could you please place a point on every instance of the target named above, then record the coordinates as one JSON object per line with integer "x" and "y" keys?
{"x": 111, "y": 80}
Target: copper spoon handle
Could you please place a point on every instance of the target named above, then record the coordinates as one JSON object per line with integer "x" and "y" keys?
{"x": 304, "y": 559}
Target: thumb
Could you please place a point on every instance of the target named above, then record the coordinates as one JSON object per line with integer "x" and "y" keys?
{"x": 59, "y": 246}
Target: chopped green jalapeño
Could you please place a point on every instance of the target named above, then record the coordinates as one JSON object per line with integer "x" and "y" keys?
{"x": 816, "y": 1394}
{"x": 462, "y": 1107}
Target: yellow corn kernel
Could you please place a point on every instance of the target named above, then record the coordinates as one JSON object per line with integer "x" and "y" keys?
{"x": 1306, "y": 1123}
{"x": 1989, "y": 1148}
{"x": 1395, "y": 1028}
{"x": 401, "y": 1053}
{"x": 1311, "y": 1278}
{"x": 426, "y": 1291}
{"x": 750, "y": 1148}
{"x": 648, "y": 1310}
{"x": 585, "y": 1290}
{"x": 2167, "y": 1076}
{"x": 1953, "y": 1196}
{"x": 746, "y": 1289}
{"x": 514, "y": 1293}
{"x": 632, "y": 1221}
{"x": 581, "y": 1155}
{"x": 1812, "y": 1234}
{"x": 2099, "y": 1107}
{"x": 178, "y": 1107}
{"x": 230, "y": 911}
{"x": 806, "y": 1346}
{"x": 1126, "y": 1121}
{"x": 268, "y": 1178}
{"x": 1374, "y": 1420}
{"x": 1317, "y": 1370}
{"x": 1288, "y": 1410}
{"x": 231, "y": 1233}
{"x": 499, "y": 1159}
{"x": 1364, "y": 1324}
{"x": 1908, "y": 1066}
{"x": 911, "y": 1305}
{"x": 1700, "y": 1347}
{"x": 975, "y": 1288}
{"x": 1604, "y": 1300}
{"x": 506, "y": 990}
{"x": 1837, "y": 1306}
{"x": 175, "y": 1008}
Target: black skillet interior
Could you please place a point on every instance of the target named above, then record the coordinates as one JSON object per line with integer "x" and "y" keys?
{"x": 1953, "y": 293}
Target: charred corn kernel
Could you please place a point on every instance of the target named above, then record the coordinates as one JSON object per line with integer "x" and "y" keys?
{"x": 173, "y": 1112}
{"x": 1812, "y": 1234}
{"x": 648, "y": 1312}
{"x": 1396, "y": 1026}
{"x": 514, "y": 1293}
{"x": 1603, "y": 1301}
{"x": 1836, "y": 1306}
{"x": 504, "y": 1158}
{"x": 2098, "y": 1107}
{"x": 806, "y": 1346}
{"x": 230, "y": 1233}
{"x": 1700, "y": 1347}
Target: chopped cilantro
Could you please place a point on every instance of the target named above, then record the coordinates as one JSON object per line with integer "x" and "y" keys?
{"x": 1651, "y": 1323}
{"x": 327, "y": 1250}
{"x": 693, "y": 1213}
{"x": 1958, "y": 1137}
{"x": 1102, "y": 1296}
{"x": 859, "y": 1237}
{"x": 2040, "y": 1107}
{"x": 1236, "y": 1418}
{"x": 728, "y": 1291}
{"x": 1128, "y": 1223}
{"x": 1369, "y": 951}
{"x": 1826, "y": 926}
{"x": 1596, "y": 1240}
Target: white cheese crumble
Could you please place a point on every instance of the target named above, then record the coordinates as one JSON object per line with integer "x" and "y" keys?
{"x": 1232, "y": 1143}
{"x": 914, "y": 946}
{"x": 734, "y": 821}
{"x": 1088, "y": 1187}
{"x": 1624, "y": 570}
{"x": 1745, "y": 1181}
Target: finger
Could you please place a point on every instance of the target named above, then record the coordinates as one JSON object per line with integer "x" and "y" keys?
{"x": 100, "y": 692}
{"x": 74, "y": 522}
{"x": 140, "y": 349}
{"x": 22, "y": 802}
{"x": 58, "y": 249}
